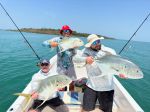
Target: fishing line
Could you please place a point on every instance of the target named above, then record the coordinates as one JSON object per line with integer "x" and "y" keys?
{"x": 134, "y": 33}
{"x": 19, "y": 31}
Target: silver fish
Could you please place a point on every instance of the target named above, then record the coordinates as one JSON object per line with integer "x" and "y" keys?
{"x": 47, "y": 88}
{"x": 49, "y": 85}
{"x": 69, "y": 43}
{"x": 112, "y": 64}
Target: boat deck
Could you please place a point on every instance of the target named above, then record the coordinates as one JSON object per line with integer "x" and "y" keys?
{"x": 123, "y": 101}
{"x": 70, "y": 109}
{"x": 73, "y": 103}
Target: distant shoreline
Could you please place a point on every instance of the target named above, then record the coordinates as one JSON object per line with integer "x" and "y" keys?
{"x": 55, "y": 32}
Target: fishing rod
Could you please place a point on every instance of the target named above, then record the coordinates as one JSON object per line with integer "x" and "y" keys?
{"x": 134, "y": 33}
{"x": 19, "y": 31}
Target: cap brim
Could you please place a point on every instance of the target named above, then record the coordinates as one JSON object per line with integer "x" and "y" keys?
{"x": 89, "y": 44}
{"x": 68, "y": 29}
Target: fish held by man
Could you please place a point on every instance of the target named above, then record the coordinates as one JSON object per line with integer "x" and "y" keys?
{"x": 69, "y": 43}
{"x": 112, "y": 64}
{"x": 116, "y": 65}
{"x": 47, "y": 88}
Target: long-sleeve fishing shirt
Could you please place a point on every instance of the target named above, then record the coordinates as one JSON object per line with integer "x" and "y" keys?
{"x": 103, "y": 83}
{"x": 64, "y": 59}
{"x": 35, "y": 82}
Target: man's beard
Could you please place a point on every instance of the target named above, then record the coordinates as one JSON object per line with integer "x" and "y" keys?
{"x": 96, "y": 49}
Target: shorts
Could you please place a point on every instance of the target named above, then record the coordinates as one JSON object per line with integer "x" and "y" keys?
{"x": 52, "y": 103}
{"x": 105, "y": 99}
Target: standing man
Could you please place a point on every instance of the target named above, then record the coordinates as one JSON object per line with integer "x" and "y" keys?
{"x": 104, "y": 89}
{"x": 55, "y": 102}
{"x": 64, "y": 59}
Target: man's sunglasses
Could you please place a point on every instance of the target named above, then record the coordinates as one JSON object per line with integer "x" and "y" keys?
{"x": 97, "y": 42}
{"x": 66, "y": 31}
{"x": 44, "y": 64}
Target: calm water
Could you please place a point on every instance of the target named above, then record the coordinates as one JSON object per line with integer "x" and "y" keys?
{"x": 18, "y": 64}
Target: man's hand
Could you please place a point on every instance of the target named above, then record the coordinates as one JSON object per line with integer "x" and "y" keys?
{"x": 34, "y": 95}
{"x": 53, "y": 44}
{"x": 32, "y": 111}
{"x": 89, "y": 60}
{"x": 80, "y": 82}
{"x": 61, "y": 89}
{"x": 123, "y": 76}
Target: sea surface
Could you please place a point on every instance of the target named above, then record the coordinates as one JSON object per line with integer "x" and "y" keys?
{"x": 18, "y": 64}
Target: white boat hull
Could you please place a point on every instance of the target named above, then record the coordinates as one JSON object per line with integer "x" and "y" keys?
{"x": 123, "y": 102}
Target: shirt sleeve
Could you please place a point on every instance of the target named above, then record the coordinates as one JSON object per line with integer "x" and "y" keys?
{"x": 86, "y": 52}
{"x": 79, "y": 57}
{"x": 47, "y": 42}
{"x": 109, "y": 50}
{"x": 35, "y": 82}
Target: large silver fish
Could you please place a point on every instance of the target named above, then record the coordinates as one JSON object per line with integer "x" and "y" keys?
{"x": 112, "y": 64}
{"x": 47, "y": 88}
{"x": 68, "y": 43}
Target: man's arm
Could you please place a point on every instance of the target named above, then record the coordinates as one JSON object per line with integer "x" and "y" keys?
{"x": 34, "y": 86}
{"x": 82, "y": 57}
{"x": 52, "y": 42}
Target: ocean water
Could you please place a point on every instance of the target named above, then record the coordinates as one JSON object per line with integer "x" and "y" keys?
{"x": 18, "y": 64}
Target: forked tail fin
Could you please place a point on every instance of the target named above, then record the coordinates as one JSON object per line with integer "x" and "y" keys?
{"x": 23, "y": 94}
{"x": 28, "y": 100}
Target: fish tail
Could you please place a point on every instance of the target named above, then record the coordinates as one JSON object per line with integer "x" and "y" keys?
{"x": 40, "y": 104}
{"x": 28, "y": 100}
{"x": 23, "y": 94}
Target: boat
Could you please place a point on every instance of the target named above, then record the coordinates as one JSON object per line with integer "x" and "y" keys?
{"x": 123, "y": 102}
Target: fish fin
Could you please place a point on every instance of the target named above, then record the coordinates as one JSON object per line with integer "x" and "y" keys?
{"x": 113, "y": 68}
{"x": 61, "y": 49}
{"x": 115, "y": 71}
{"x": 104, "y": 69}
{"x": 42, "y": 103}
{"x": 52, "y": 89}
{"x": 23, "y": 94}
{"x": 28, "y": 100}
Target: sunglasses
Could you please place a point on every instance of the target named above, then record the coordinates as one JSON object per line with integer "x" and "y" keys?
{"x": 44, "y": 64}
{"x": 66, "y": 31}
{"x": 97, "y": 42}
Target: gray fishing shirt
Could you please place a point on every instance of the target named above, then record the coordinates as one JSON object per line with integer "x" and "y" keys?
{"x": 64, "y": 59}
{"x": 103, "y": 83}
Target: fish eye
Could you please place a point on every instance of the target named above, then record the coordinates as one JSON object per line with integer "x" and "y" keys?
{"x": 125, "y": 66}
{"x": 137, "y": 71}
